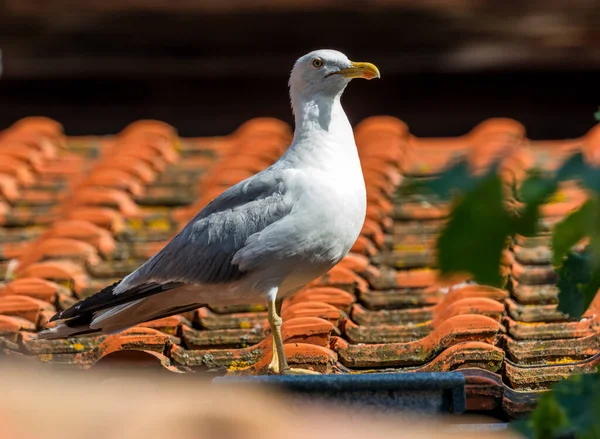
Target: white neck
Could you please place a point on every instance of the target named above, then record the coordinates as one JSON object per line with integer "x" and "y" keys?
{"x": 322, "y": 131}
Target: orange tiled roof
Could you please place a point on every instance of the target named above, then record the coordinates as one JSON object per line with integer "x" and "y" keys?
{"x": 80, "y": 213}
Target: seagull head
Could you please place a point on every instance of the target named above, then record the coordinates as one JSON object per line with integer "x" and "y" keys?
{"x": 326, "y": 73}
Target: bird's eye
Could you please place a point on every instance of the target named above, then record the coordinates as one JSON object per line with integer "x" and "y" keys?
{"x": 317, "y": 63}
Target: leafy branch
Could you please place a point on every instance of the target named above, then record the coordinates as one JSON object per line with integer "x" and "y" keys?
{"x": 482, "y": 222}
{"x": 480, "y": 225}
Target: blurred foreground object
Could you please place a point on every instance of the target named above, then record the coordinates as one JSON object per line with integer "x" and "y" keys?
{"x": 147, "y": 406}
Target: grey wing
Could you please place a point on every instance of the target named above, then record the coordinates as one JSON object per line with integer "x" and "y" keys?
{"x": 202, "y": 253}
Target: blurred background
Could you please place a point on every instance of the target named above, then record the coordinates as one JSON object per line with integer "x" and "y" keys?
{"x": 207, "y": 66}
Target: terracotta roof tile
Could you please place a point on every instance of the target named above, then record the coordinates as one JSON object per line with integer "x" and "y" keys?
{"x": 321, "y": 310}
{"x": 9, "y": 188}
{"x": 244, "y": 320}
{"x": 25, "y": 154}
{"x": 16, "y": 168}
{"x": 26, "y": 216}
{"x": 44, "y": 141}
{"x": 68, "y": 346}
{"x": 136, "y": 168}
{"x": 61, "y": 272}
{"x": 432, "y": 315}
{"x": 533, "y": 274}
{"x": 251, "y": 148}
{"x": 364, "y": 246}
{"x": 45, "y": 145}
{"x": 265, "y": 127}
{"x": 550, "y": 351}
{"x": 149, "y": 126}
{"x": 405, "y": 330}
{"x": 221, "y": 338}
{"x": 59, "y": 248}
{"x": 393, "y": 298}
{"x": 341, "y": 277}
{"x": 533, "y": 313}
{"x": 336, "y": 297}
{"x": 523, "y": 330}
{"x": 22, "y": 306}
{"x": 380, "y": 124}
{"x": 386, "y": 278}
{"x": 383, "y": 308}
{"x": 542, "y": 377}
{"x": 471, "y": 354}
{"x": 308, "y": 330}
{"x": 85, "y": 231}
{"x": 376, "y": 183}
{"x": 355, "y": 262}
{"x": 38, "y": 198}
{"x": 115, "y": 179}
{"x": 133, "y": 339}
{"x": 454, "y": 330}
{"x": 140, "y": 360}
{"x": 302, "y": 355}
{"x": 104, "y": 197}
{"x": 100, "y": 216}
{"x": 13, "y": 325}
{"x": 169, "y": 325}
{"x": 147, "y": 155}
{"x": 37, "y": 288}
{"x": 39, "y": 123}
{"x": 12, "y": 250}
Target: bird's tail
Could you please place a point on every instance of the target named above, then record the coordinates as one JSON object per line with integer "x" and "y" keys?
{"x": 78, "y": 327}
{"x": 109, "y": 313}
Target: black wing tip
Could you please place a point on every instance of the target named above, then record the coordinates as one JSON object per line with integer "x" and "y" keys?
{"x": 56, "y": 316}
{"x": 82, "y": 311}
{"x": 81, "y": 305}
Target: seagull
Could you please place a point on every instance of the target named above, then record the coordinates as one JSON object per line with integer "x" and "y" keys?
{"x": 262, "y": 239}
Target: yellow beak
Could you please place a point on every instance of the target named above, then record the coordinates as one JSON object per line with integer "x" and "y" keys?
{"x": 364, "y": 70}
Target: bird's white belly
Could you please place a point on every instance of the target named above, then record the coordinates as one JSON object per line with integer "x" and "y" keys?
{"x": 332, "y": 232}
{"x": 329, "y": 237}
{"x": 328, "y": 217}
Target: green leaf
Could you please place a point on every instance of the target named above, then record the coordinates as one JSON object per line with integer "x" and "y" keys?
{"x": 597, "y": 115}
{"x": 549, "y": 419}
{"x": 579, "y": 398}
{"x": 573, "y": 168}
{"x": 476, "y": 234}
{"x": 579, "y": 277}
{"x": 589, "y": 292}
{"x": 527, "y": 220}
{"x": 572, "y": 406}
{"x": 577, "y": 284}
{"x": 577, "y": 169}
{"x": 534, "y": 191}
{"x": 593, "y": 230}
{"x": 457, "y": 177}
{"x": 571, "y": 230}
{"x": 545, "y": 421}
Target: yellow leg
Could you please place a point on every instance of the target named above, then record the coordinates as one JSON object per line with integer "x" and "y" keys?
{"x": 274, "y": 365}
{"x": 278, "y": 352}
